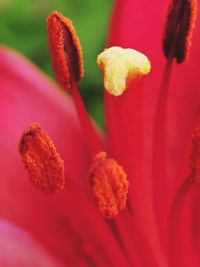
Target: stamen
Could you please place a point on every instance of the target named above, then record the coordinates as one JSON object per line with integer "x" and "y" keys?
{"x": 67, "y": 61}
{"x": 65, "y": 50}
{"x": 109, "y": 185}
{"x": 178, "y": 30}
{"x": 43, "y": 163}
{"x": 121, "y": 66}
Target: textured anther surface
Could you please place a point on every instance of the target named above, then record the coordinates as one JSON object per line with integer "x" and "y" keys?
{"x": 109, "y": 185}
{"x": 65, "y": 50}
{"x": 43, "y": 163}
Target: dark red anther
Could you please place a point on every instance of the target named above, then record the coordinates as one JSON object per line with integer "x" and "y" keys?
{"x": 180, "y": 23}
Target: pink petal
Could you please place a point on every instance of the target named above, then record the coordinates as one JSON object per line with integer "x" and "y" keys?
{"x": 27, "y": 96}
{"x": 18, "y": 248}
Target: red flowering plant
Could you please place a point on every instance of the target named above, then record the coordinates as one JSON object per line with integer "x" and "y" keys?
{"x": 122, "y": 199}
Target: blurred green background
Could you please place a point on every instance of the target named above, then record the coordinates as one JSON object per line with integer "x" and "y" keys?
{"x": 23, "y": 27}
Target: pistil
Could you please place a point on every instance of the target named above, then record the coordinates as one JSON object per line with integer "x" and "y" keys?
{"x": 125, "y": 109}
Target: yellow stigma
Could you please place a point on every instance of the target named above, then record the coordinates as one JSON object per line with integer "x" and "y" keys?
{"x": 120, "y": 66}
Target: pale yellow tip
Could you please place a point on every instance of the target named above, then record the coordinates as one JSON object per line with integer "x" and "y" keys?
{"x": 120, "y": 66}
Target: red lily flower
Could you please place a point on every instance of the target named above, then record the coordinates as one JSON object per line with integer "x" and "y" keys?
{"x": 68, "y": 224}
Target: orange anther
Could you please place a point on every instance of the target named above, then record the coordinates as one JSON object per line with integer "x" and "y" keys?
{"x": 180, "y": 23}
{"x": 44, "y": 164}
{"x": 109, "y": 185}
{"x": 65, "y": 50}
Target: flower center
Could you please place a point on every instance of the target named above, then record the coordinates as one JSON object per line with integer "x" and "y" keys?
{"x": 43, "y": 163}
{"x": 108, "y": 180}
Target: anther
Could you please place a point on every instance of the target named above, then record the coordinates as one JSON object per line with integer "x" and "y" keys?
{"x": 180, "y": 23}
{"x": 194, "y": 156}
{"x": 120, "y": 66}
{"x": 43, "y": 163}
{"x": 109, "y": 185}
{"x": 65, "y": 50}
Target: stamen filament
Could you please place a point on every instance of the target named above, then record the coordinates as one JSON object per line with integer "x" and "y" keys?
{"x": 191, "y": 170}
{"x": 94, "y": 141}
{"x": 124, "y": 236}
{"x": 174, "y": 229}
{"x": 159, "y": 171}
